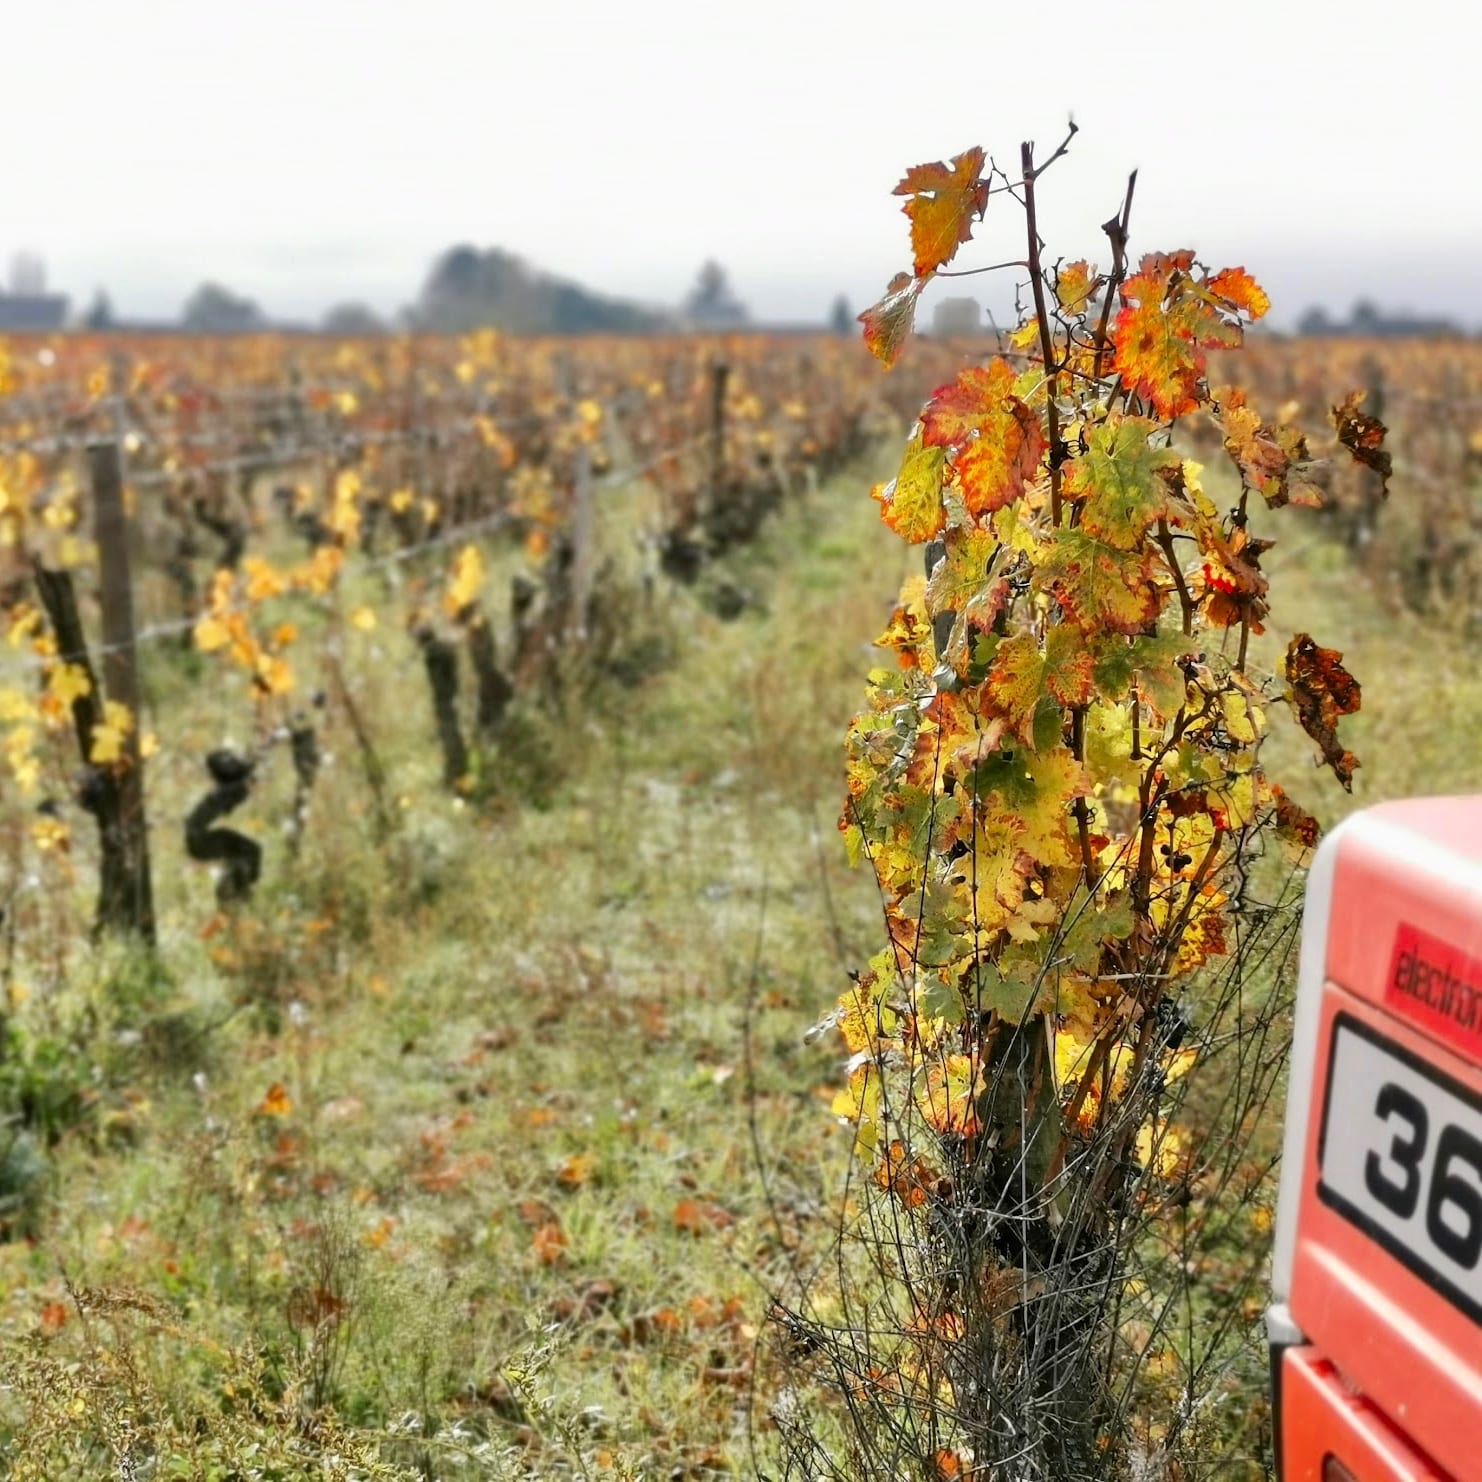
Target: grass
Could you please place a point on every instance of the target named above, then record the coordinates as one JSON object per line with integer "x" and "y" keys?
{"x": 452, "y": 1137}
{"x": 449, "y": 1141}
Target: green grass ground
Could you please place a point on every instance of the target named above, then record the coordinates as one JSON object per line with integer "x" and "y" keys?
{"x": 454, "y": 1135}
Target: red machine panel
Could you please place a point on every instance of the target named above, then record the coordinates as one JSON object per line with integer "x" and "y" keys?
{"x": 1334, "y": 1436}
{"x": 1379, "y": 1260}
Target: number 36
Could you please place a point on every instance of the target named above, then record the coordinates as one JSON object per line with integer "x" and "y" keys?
{"x": 1453, "y": 1210}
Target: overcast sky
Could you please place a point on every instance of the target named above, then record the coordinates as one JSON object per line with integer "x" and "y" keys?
{"x": 320, "y": 150}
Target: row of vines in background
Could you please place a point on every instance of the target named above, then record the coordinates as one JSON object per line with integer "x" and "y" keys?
{"x": 287, "y": 505}
{"x": 1413, "y": 524}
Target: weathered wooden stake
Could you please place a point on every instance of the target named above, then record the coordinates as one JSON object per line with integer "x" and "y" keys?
{"x": 719, "y": 374}
{"x": 441, "y": 659}
{"x": 493, "y": 686}
{"x": 134, "y": 910}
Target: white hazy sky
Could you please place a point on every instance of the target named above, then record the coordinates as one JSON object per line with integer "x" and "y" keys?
{"x": 326, "y": 149}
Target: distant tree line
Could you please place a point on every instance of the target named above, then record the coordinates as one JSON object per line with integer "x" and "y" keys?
{"x": 468, "y": 289}
{"x": 473, "y": 288}
{"x": 1367, "y": 320}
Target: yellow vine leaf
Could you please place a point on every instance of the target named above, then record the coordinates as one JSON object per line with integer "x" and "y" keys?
{"x": 464, "y": 581}
{"x": 211, "y": 634}
{"x": 51, "y": 835}
{"x": 911, "y": 503}
{"x": 110, "y": 737}
{"x": 68, "y": 682}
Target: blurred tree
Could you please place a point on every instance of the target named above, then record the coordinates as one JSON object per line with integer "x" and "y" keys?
{"x": 841, "y": 316}
{"x": 99, "y": 313}
{"x": 468, "y": 288}
{"x": 1368, "y": 320}
{"x": 212, "y": 309}
{"x": 353, "y": 319}
{"x": 711, "y": 304}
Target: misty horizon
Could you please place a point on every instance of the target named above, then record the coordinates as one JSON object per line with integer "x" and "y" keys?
{"x": 278, "y": 150}
{"x": 294, "y": 285}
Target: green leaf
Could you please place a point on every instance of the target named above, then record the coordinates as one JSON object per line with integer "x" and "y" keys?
{"x": 1117, "y": 478}
{"x": 1090, "y": 921}
{"x": 938, "y": 1000}
{"x": 1010, "y": 995}
{"x": 1153, "y": 662}
{"x": 1049, "y": 724}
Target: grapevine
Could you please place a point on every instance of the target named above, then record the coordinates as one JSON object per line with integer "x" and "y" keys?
{"x": 1059, "y": 789}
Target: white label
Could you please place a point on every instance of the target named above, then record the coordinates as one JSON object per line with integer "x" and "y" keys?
{"x": 1401, "y": 1157}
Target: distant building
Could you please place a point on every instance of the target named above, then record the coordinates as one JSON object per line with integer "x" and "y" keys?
{"x": 27, "y": 275}
{"x": 957, "y": 319}
{"x": 28, "y": 308}
{"x": 40, "y": 314}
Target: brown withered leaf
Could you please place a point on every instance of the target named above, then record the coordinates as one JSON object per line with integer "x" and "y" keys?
{"x": 1294, "y": 825}
{"x": 1363, "y": 436}
{"x": 313, "y": 1307}
{"x": 1322, "y": 692}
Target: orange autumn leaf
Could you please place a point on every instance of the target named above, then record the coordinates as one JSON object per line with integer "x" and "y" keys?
{"x": 1238, "y": 289}
{"x": 1157, "y": 361}
{"x": 699, "y": 1217}
{"x": 944, "y": 201}
{"x": 1235, "y": 587}
{"x": 377, "y": 1236}
{"x": 277, "y": 1102}
{"x": 991, "y": 472}
{"x": 576, "y": 1170}
{"x": 1075, "y": 285}
{"x": 1171, "y": 320}
{"x": 550, "y": 1243}
{"x": 1294, "y": 824}
{"x": 1265, "y": 456}
{"x": 53, "y": 1316}
{"x": 995, "y": 437}
{"x": 957, "y": 411}
{"x": 910, "y": 1179}
{"x": 668, "y": 1322}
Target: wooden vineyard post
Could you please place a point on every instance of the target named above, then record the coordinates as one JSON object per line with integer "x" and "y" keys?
{"x": 133, "y": 907}
{"x": 719, "y": 374}
{"x": 441, "y": 659}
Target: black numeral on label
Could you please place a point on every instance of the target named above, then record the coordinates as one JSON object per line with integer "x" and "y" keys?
{"x": 1395, "y": 1103}
{"x": 1453, "y": 1189}
{"x": 1453, "y": 1208}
